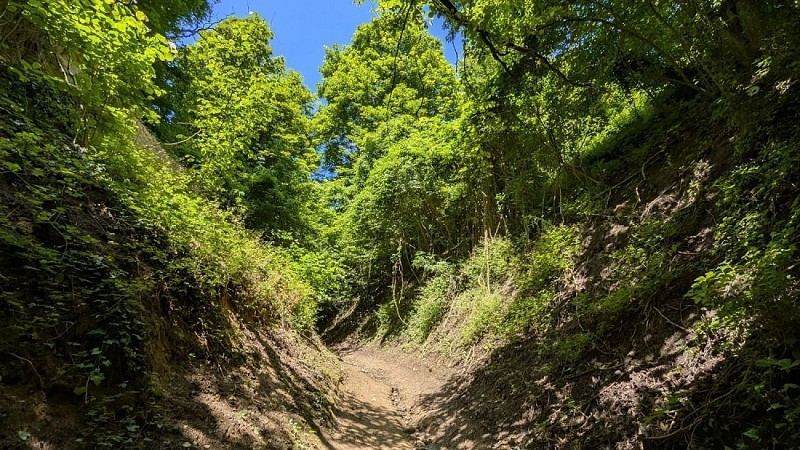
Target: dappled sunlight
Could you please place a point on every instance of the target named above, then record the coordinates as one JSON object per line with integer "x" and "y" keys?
{"x": 362, "y": 425}
{"x": 516, "y": 406}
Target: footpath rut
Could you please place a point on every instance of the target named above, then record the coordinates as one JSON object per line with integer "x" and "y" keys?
{"x": 380, "y": 394}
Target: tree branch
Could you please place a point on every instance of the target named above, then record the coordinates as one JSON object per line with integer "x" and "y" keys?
{"x": 486, "y": 38}
{"x": 183, "y": 141}
{"x": 454, "y": 14}
{"x": 190, "y": 32}
{"x": 546, "y": 61}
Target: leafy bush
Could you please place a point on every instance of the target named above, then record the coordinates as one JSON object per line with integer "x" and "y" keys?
{"x": 433, "y": 301}
{"x": 551, "y": 254}
{"x": 528, "y": 315}
{"x": 485, "y": 311}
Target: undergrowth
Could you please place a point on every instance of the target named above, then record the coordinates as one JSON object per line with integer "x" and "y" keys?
{"x": 106, "y": 250}
{"x": 718, "y": 232}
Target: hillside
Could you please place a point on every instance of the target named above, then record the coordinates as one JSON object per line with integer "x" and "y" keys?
{"x": 135, "y": 313}
{"x": 665, "y": 329}
{"x": 113, "y": 335}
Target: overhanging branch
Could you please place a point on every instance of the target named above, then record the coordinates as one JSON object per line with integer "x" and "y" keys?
{"x": 454, "y": 14}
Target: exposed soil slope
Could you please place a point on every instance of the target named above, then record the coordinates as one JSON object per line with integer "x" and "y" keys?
{"x": 273, "y": 393}
{"x": 107, "y": 340}
{"x": 675, "y": 326}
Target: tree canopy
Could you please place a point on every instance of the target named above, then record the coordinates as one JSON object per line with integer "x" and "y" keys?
{"x": 240, "y": 121}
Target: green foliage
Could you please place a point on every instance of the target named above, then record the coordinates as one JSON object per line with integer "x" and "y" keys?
{"x": 759, "y": 243}
{"x": 493, "y": 293}
{"x": 461, "y": 211}
{"x": 647, "y": 43}
{"x": 526, "y": 282}
{"x": 551, "y": 254}
{"x": 528, "y": 314}
{"x": 171, "y": 17}
{"x": 105, "y": 55}
{"x": 67, "y": 298}
{"x": 104, "y": 238}
{"x": 387, "y": 318}
{"x": 387, "y": 131}
{"x": 484, "y": 310}
{"x": 625, "y": 115}
{"x": 475, "y": 294}
{"x": 489, "y": 263}
{"x": 569, "y": 349}
{"x": 393, "y": 69}
{"x": 218, "y": 250}
{"x": 766, "y": 392}
{"x": 239, "y": 121}
{"x": 49, "y": 179}
{"x": 433, "y": 300}
{"x": 406, "y": 200}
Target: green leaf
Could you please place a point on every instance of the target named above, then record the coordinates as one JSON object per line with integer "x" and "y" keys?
{"x": 14, "y": 167}
{"x": 752, "y": 433}
{"x": 97, "y": 378}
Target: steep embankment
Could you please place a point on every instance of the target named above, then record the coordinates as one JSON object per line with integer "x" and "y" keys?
{"x": 120, "y": 330}
{"x": 659, "y": 311}
{"x": 616, "y": 354}
{"x": 135, "y": 312}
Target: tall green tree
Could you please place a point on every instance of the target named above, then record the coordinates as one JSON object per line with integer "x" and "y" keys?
{"x": 175, "y": 17}
{"x": 239, "y": 119}
{"x": 392, "y": 74}
{"x": 388, "y": 132}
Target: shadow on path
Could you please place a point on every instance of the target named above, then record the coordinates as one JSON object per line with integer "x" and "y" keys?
{"x": 380, "y": 387}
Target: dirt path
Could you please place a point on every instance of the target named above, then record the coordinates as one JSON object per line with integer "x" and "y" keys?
{"x": 379, "y": 392}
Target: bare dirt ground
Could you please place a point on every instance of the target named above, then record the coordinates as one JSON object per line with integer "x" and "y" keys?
{"x": 380, "y": 396}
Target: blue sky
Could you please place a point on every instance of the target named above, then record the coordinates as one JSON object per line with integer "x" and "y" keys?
{"x": 303, "y": 27}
